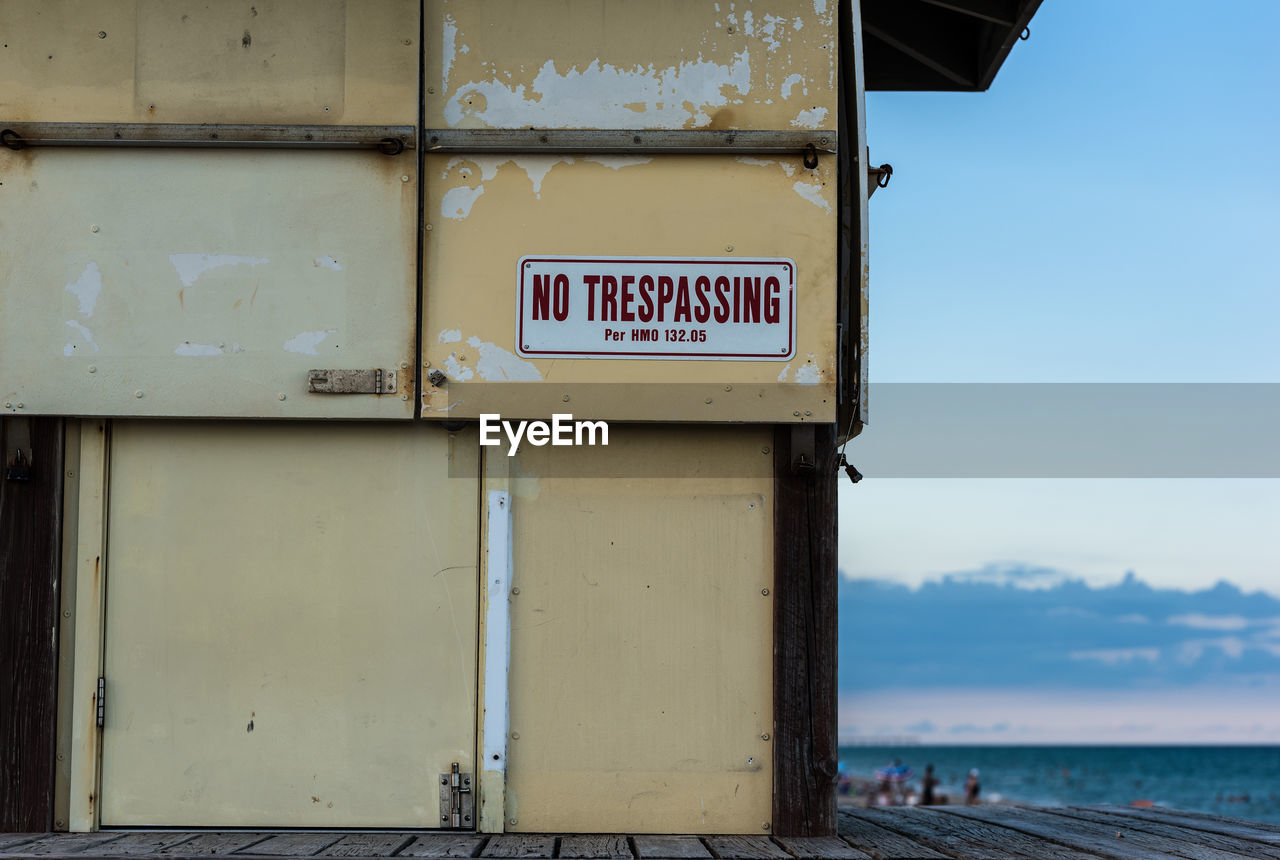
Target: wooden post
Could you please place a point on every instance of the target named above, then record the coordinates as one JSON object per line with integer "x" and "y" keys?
{"x": 804, "y": 634}
{"x": 30, "y": 547}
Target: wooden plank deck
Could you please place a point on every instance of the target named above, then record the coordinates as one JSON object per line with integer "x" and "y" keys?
{"x": 936, "y": 833}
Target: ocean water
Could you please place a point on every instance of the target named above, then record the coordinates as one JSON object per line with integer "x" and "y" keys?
{"x": 1243, "y": 782}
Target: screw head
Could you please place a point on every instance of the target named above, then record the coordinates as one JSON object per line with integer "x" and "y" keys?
{"x": 765, "y": 825}
{"x": 513, "y": 822}
{"x": 21, "y": 404}
{"x": 764, "y": 592}
{"x": 404, "y": 397}
{"x": 565, "y": 398}
{"x": 729, "y": 30}
{"x": 93, "y": 228}
{"x": 764, "y": 450}
{"x": 728, "y": 388}
{"x": 404, "y": 365}
{"x": 93, "y": 368}
{"x": 138, "y": 393}
{"x": 515, "y": 736}
{"x": 404, "y": 178}
{"x": 729, "y": 248}
{"x": 102, "y": 34}
{"x": 66, "y": 613}
{"x": 515, "y": 590}
{"x": 431, "y": 90}
{"x": 796, "y": 413}
{"x": 708, "y": 401}
{"x": 280, "y": 396}
{"x": 765, "y": 736}
{"x": 429, "y": 228}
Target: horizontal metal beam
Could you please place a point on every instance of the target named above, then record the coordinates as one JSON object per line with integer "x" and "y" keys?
{"x": 390, "y": 139}
{"x": 629, "y": 142}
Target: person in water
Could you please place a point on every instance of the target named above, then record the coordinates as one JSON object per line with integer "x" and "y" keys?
{"x": 971, "y": 788}
{"x": 927, "y": 783}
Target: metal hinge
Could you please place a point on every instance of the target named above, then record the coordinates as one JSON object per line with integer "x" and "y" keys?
{"x": 376, "y": 381}
{"x": 457, "y": 802}
{"x": 102, "y": 706}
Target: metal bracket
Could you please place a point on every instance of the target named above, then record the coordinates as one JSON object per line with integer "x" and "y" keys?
{"x": 631, "y": 141}
{"x": 387, "y": 139}
{"x": 17, "y": 450}
{"x": 803, "y": 459}
{"x": 333, "y": 381}
{"x": 457, "y": 801}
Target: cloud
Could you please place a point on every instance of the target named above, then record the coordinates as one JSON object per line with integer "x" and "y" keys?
{"x": 1112, "y": 656}
{"x": 924, "y": 727}
{"x": 1209, "y": 622}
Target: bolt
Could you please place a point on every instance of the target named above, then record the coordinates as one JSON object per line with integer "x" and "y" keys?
{"x": 59, "y": 823}
{"x": 8, "y": 405}
{"x": 93, "y": 228}
{"x": 729, "y": 248}
{"x": 66, "y": 613}
{"x": 728, "y": 388}
{"x": 515, "y": 736}
{"x": 102, "y": 34}
{"x": 765, "y": 592}
{"x": 431, "y": 90}
{"x": 730, "y": 31}
{"x": 404, "y": 178}
{"x": 280, "y": 396}
{"x": 70, "y": 474}
{"x": 797, "y": 414}
{"x": 61, "y": 757}
{"x": 807, "y": 412}
{"x": 765, "y": 736}
{"x": 515, "y": 590}
{"x": 426, "y": 364}
{"x": 765, "y": 825}
{"x": 93, "y": 368}
{"x": 429, "y": 228}
{"x": 822, "y": 141}
{"x": 708, "y": 401}
{"x": 565, "y": 398}
{"x": 462, "y": 357}
{"x": 764, "y": 450}
{"x": 404, "y": 397}
{"x": 138, "y": 393}
{"x": 513, "y": 822}
{"x": 20, "y": 405}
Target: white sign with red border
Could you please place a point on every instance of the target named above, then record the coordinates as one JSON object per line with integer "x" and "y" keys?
{"x": 652, "y": 307}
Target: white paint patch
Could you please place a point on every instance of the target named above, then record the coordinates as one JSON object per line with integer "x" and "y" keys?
{"x": 189, "y": 348}
{"x": 813, "y": 193}
{"x": 791, "y": 83}
{"x": 497, "y": 364}
{"x": 798, "y": 25}
{"x": 328, "y": 263}
{"x": 820, "y": 7}
{"x": 448, "y": 49}
{"x": 748, "y": 25}
{"x": 84, "y": 333}
{"x": 619, "y": 161}
{"x": 191, "y": 266}
{"x": 456, "y": 370}
{"x": 457, "y": 202}
{"x": 536, "y": 167}
{"x": 787, "y": 167}
{"x": 768, "y": 32}
{"x": 305, "y": 343}
{"x": 808, "y": 373}
{"x": 597, "y": 96}
{"x": 812, "y": 118}
{"x": 86, "y": 289}
{"x": 450, "y": 335}
{"x": 782, "y": 377}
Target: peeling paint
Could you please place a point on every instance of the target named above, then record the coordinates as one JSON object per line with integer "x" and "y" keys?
{"x": 812, "y": 193}
{"x": 617, "y": 162}
{"x": 327, "y": 262}
{"x": 787, "y": 167}
{"x": 86, "y": 289}
{"x": 69, "y": 349}
{"x": 536, "y": 167}
{"x": 811, "y": 118}
{"x": 598, "y": 96}
{"x": 791, "y": 83}
{"x": 191, "y": 266}
{"x": 457, "y": 202}
{"x": 305, "y": 343}
{"x": 198, "y": 349}
{"x": 782, "y": 375}
{"x": 456, "y": 370}
{"x": 450, "y": 335}
{"x": 808, "y": 373}
{"x": 497, "y": 364}
{"x": 448, "y": 48}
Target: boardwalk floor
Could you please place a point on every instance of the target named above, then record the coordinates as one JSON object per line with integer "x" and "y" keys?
{"x": 963, "y": 833}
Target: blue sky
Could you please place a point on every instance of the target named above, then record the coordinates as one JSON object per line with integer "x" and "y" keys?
{"x": 1107, "y": 212}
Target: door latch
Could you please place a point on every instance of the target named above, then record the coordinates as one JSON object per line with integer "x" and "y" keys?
{"x": 457, "y": 802}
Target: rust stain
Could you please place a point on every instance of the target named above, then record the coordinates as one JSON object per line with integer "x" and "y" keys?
{"x": 253, "y": 298}
{"x": 722, "y": 118}
{"x": 181, "y": 302}
{"x": 315, "y": 799}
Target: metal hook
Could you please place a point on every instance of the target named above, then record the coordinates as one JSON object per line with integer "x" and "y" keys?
{"x": 391, "y": 146}
{"x": 12, "y": 139}
{"x": 811, "y": 156}
{"x": 1025, "y": 34}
